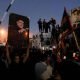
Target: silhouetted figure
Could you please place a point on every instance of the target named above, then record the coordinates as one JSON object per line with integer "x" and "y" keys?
{"x": 44, "y": 25}
{"x": 53, "y": 23}
{"x": 58, "y": 32}
{"x": 57, "y": 27}
{"x": 41, "y": 37}
{"x": 47, "y": 28}
{"x": 3, "y": 67}
{"x": 40, "y": 25}
{"x": 15, "y": 68}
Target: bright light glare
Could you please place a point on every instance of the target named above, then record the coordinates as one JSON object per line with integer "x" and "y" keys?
{"x": 3, "y": 35}
{"x": 26, "y": 33}
{"x": 64, "y": 57}
{"x": 43, "y": 48}
{"x": 54, "y": 47}
{"x": 74, "y": 54}
{"x": 2, "y": 32}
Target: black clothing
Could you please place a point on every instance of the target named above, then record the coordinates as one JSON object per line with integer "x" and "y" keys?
{"x": 40, "y": 25}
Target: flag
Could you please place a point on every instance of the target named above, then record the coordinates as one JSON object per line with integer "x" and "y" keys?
{"x": 66, "y": 26}
{"x": 18, "y": 31}
{"x": 66, "y": 30}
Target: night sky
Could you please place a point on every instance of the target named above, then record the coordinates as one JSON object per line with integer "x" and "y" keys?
{"x": 35, "y": 9}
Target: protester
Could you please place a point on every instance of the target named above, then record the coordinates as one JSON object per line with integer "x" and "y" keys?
{"x": 40, "y": 25}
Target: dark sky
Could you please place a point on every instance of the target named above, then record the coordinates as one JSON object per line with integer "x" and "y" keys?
{"x": 35, "y": 9}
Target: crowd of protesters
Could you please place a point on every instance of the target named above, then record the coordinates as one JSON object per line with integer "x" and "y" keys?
{"x": 13, "y": 66}
{"x": 40, "y": 65}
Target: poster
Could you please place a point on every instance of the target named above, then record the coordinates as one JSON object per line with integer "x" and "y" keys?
{"x": 18, "y": 31}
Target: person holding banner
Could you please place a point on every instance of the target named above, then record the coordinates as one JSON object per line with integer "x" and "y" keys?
{"x": 18, "y": 34}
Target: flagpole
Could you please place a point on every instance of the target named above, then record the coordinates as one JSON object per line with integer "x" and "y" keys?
{"x": 5, "y": 13}
{"x": 76, "y": 40}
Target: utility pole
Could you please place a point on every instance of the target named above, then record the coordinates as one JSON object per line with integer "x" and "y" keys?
{"x": 5, "y": 13}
